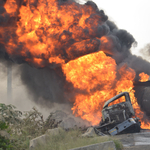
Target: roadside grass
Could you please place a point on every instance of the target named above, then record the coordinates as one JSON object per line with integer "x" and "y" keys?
{"x": 72, "y": 139}
{"x": 118, "y": 144}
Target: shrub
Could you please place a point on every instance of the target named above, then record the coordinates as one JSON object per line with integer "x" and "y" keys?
{"x": 9, "y": 115}
{"x": 4, "y": 142}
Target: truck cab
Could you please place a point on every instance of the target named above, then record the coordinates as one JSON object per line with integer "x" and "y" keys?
{"x": 119, "y": 117}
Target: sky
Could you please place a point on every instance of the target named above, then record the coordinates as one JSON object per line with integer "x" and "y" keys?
{"x": 131, "y": 15}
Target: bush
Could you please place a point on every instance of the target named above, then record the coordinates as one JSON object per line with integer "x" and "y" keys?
{"x": 4, "y": 142}
{"x": 9, "y": 115}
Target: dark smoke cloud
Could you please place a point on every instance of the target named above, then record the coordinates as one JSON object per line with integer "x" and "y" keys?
{"x": 122, "y": 42}
{"x": 2, "y": 23}
{"x": 44, "y": 84}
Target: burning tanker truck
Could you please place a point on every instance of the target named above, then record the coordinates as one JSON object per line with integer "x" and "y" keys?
{"x": 118, "y": 118}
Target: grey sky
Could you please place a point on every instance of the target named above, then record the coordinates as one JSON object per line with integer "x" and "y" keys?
{"x": 131, "y": 15}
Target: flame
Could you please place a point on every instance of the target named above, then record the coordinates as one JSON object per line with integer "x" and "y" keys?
{"x": 143, "y": 77}
{"x": 106, "y": 45}
{"x": 97, "y": 76}
{"x": 52, "y": 31}
{"x": 11, "y": 7}
{"x": 145, "y": 124}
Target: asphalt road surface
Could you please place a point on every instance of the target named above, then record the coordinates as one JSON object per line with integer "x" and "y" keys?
{"x": 136, "y": 141}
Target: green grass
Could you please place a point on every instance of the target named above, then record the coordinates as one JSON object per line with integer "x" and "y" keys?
{"x": 118, "y": 144}
{"x": 72, "y": 139}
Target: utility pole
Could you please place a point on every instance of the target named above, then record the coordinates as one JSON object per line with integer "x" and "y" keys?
{"x": 9, "y": 81}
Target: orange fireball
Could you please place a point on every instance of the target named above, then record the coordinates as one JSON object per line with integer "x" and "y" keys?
{"x": 143, "y": 77}
{"x": 97, "y": 74}
{"x": 53, "y": 32}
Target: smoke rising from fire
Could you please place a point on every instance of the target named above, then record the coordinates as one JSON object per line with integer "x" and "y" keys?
{"x": 49, "y": 34}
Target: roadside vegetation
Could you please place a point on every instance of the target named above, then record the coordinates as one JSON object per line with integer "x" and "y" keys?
{"x": 72, "y": 139}
{"x": 18, "y": 128}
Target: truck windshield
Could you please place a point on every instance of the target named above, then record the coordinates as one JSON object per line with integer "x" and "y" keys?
{"x": 117, "y": 101}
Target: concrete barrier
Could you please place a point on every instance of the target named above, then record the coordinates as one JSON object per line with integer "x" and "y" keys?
{"x": 89, "y": 133}
{"x": 43, "y": 138}
{"x": 34, "y": 142}
{"x": 110, "y": 145}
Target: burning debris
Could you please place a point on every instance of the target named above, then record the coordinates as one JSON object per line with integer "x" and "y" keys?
{"x": 84, "y": 59}
{"x": 118, "y": 118}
